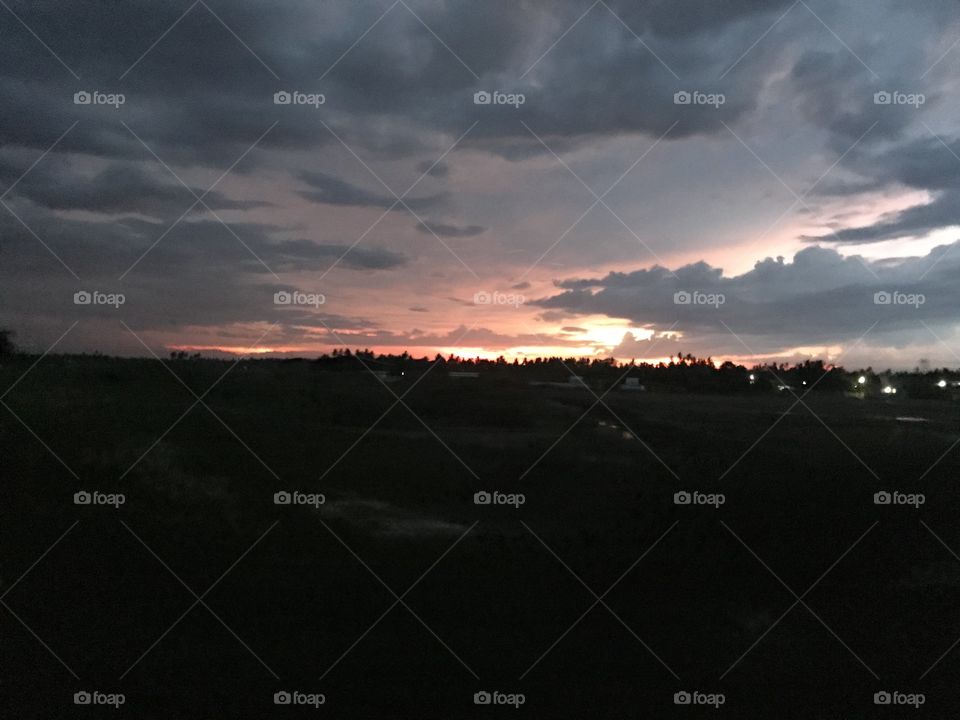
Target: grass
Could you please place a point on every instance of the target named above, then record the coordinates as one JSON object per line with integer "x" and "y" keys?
{"x": 598, "y": 479}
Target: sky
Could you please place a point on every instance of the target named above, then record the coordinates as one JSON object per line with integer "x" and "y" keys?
{"x": 746, "y": 180}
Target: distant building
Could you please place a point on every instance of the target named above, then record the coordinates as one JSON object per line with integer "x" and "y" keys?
{"x": 462, "y": 374}
{"x": 632, "y": 383}
{"x": 576, "y": 380}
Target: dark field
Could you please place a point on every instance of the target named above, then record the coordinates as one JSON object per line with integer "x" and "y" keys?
{"x": 294, "y": 591}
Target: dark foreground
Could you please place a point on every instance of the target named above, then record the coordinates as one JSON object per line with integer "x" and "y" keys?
{"x": 400, "y": 598}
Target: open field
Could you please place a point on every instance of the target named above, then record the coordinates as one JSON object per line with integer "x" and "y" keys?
{"x": 598, "y": 480}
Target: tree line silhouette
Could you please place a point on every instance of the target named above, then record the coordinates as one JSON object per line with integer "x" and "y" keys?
{"x": 682, "y": 372}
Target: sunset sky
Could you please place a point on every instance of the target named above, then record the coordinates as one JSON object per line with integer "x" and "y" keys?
{"x": 826, "y": 170}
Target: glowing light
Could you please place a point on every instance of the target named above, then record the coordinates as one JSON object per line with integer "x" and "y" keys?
{"x": 862, "y": 380}
{"x": 942, "y": 384}
{"x": 889, "y": 390}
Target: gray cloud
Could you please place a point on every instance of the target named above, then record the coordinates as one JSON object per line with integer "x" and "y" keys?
{"x": 819, "y": 298}
{"x": 434, "y": 169}
{"x": 451, "y": 231}
{"x": 121, "y": 187}
{"x": 329, "y": 190}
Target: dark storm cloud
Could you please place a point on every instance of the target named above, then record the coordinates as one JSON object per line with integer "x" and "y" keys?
{"x": 199, "y": 96}
{"x": 203, "y": 95}
{"x": 821, "y": 297}
{"x": 835, "y": 92}
{"x": 121, "y": 187}
{"x": 328, "y": 190}
{"x": 307, "y": 255}
{"x": 926, "y": 163}
{"x": 918, "y": 220}
{"x": 203, "y": 246}
{"x": 436, "y": 170}
{"x": 450, "y": 231}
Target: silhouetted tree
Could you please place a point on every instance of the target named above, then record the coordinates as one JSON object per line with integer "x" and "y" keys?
{"x": 6, "y": 343}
